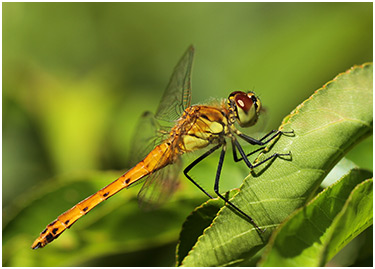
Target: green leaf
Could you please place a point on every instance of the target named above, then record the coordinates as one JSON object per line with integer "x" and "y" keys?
{"x": 195, "y": 224}
{"x": 316, "y": 232}
{"x": 326, "y": 126}
{"x": 356, "y": 216}
{"x": 342, "y": 168}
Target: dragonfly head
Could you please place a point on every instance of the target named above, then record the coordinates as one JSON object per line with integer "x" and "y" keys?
{"x": 245, "y": 106}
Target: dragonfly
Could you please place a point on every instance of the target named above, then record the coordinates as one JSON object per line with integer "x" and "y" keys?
{"x": 195, "y": 127}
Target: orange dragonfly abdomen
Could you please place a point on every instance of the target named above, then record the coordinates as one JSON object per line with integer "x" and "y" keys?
{"x": 158, "y": 158}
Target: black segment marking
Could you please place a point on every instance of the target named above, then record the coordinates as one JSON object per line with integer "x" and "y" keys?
{"x": 105, "y": 194}
{"x": 44, "y": 231}
{"x": 49, "y": 238}
{"x": 85, "y": 209}
{"x": 54, "y": 231}
{"x": 52, "y": 223}
{"x": 67, "y": 222}
{"x": 127, "y": 180}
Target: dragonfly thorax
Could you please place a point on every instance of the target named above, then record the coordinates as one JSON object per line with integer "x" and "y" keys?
{"x": 200, "y": 126}
{"x": 245, "y": 107}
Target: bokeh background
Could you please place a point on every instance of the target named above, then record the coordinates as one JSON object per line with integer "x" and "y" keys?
{"x": 77, "y": 76}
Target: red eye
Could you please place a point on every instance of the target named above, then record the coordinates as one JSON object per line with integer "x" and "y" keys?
{"x": 243, "y": 101}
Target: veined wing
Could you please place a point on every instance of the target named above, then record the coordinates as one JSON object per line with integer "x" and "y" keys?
{"x": 147, "y": 135}
{"x": 177, "y": 95}
{"x": 159, "y": 186}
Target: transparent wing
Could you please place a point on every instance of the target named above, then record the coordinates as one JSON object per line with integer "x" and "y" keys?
{"x": 147, "y": 135}
{"x": 159, "y": 186}
{"x": 177, "y": 95}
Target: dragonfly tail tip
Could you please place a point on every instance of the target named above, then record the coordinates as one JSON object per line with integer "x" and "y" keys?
{"x": 36, "y": 246}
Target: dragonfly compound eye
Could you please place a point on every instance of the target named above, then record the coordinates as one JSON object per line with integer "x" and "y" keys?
{"x": 247, "y": 107}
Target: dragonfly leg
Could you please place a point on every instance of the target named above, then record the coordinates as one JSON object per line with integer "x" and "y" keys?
{"x": 216, "y": 189}
{"x": 237, "y": 145}
{"x": 235, "y": 157}
{"x": 194, "y": 163}
{"x": 271, "y": 157}
{"x": 260, "y": 142}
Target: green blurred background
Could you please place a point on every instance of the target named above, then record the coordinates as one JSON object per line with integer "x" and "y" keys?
{"x": 76, "y": 77}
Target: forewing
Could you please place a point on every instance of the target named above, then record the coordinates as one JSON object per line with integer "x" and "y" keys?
{"x": 177, "y": 95}
{"x": 159, "y": 186}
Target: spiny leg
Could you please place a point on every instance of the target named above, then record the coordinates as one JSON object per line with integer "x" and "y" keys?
{"x": 216, "y": 189}
{"x": 260, "y": 142}
{"x": 256, "y": 142}
{"x": 195, "y": 162}
{"x": 246, "y": 160}
{"x": 235, "y": 157}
